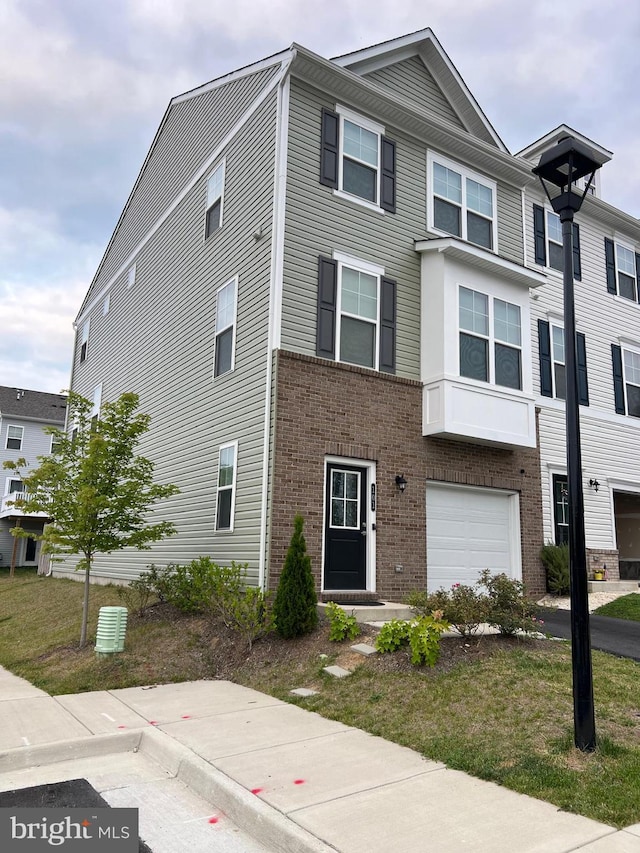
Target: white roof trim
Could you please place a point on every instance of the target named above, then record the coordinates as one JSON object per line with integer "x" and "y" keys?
{"x": 476, "y": 256}
{"x": 558, "y": 133}
{"x": 380, "y": 55}
{"x": 247, "y": 70}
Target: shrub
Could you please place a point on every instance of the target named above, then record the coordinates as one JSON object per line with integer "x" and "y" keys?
{"x": 424, "y": 640}
{"x": 191, "y": 588}
{"x": 422, "y": 635}
{"x": 556, "y": 563}
{"x": 137, "y": 595}
{"x": 341, "y": 624}
{"x": 464, "y": 607}
{"x": 246, "y": 612}
{"x": 510, "y": 610}
{"x": 295, "y": 606}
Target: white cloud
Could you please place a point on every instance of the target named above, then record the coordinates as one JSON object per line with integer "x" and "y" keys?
{"x": 43, "y": 278}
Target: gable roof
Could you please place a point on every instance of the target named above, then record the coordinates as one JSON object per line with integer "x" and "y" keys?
{"x": 426, "y": 46}
{"x": 533, "y": 151}
{"x": 32, "y": 405}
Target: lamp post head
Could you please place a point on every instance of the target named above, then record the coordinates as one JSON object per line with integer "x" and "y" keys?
{"x": 559, "y": 169}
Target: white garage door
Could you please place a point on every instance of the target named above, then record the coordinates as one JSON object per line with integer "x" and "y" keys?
{"x": 469, "y": 530}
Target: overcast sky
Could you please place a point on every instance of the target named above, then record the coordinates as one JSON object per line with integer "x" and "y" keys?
{"x": 84, "y": 85}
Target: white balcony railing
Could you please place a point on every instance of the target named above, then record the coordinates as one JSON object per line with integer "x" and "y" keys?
{"x": 8, "y": 507}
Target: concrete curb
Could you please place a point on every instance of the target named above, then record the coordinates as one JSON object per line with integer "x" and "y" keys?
{"x": 25, "y": 757}
{"x": 262, "y": 821}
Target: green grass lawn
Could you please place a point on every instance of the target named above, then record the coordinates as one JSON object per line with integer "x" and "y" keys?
{"x": 625, "y": 607}
{"x": 505, "y": 717}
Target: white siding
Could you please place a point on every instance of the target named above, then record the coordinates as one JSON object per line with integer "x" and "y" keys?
{"x": 609, "y": 441}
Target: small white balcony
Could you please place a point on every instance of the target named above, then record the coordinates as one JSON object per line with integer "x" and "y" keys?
{"x": 9, "y": 510}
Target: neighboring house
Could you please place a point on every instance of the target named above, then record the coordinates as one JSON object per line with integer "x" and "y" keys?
{"x": 24, "y": 415}
{"x": 320, "y": 289}
{"x": 607, "y": 296}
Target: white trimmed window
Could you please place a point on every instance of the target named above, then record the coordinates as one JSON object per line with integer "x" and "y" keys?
{"x": 359, "y": 169}
{"x": 131, "y": 275}
{"x": 626, "y": 274}
{"x": 558, "y": 373}
{"x": 15, "y": 435}
{"x": 13, "y": 485}
{"x": 106, "y": 304}
{"x": 84, "y": 342}
{"x": 226, "y": 496}
{"x": 631, "y": 366}
{"x": 490, "y": 339}
{"x": 555, "y": 257}
{"x": 215, "y": 198}
{"x": 358, "y": 311}
{"x": 461, "y": 202}
{"x": 226, "y": 302}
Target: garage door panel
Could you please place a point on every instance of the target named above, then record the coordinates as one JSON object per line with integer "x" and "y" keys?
{"x": 469, "y": 530}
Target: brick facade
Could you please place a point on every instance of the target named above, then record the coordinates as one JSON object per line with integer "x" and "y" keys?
{"x": 327, "y": 408}
{"x": 598, "y": 558}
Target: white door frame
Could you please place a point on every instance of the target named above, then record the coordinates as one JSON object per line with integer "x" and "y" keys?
{"x": 371, "y": 515}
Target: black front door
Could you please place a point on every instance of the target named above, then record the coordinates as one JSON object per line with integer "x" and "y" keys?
{"x": 345, "y": 562}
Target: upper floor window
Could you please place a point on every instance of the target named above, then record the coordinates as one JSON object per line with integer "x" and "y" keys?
{"x": 215, "y": 197}
{"x": 84, "y": 342}
{"x": 461, "y": 202}
{"x": 548, "y": 243}
{"x": 131, "y": 275}
{"x": 490, "y": 339}
{"x": 225, "y": 328}
{"x": 553, "y": 380}
{"x": 631, "y": 373}
{"x": 623, "y": 270}
{"x": 14, "y": 437}
{"x": 357, "y": 159}
{"x": 106, "y": 304}
{"x": 225, "y": 503}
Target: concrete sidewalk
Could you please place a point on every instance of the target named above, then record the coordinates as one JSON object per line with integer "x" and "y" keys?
{"x": 270, "y": 775}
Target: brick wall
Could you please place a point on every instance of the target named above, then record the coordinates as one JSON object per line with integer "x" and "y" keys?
{"x": 325, "y": 408}
{"x": 598, "y": 558}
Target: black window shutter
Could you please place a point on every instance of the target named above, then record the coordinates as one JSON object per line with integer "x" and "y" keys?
{"x": 581, "y": 360}
{"x": 638, "y": 275}
{"x": 329, "y": 152}
{"x": 610, "y": 261}
{"x": 388, "y": 179}
{"x": 577, "y": 268}
{"x": 388, "y": 326}
{"x": 539, "y": 235}
{"x": 618, "y": 382}
{"x": 544, "y": 349}
{"x": 326, "y": 322}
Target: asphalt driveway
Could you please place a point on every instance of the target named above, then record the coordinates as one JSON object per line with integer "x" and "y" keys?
{"x": 617, "y": 636}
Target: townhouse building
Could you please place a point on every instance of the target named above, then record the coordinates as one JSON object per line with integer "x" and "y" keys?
{"x": 325, "y": 289}
{"x": 24, "y": 416}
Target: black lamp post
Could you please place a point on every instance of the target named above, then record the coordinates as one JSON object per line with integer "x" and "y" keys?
{"x": 559, "y": 168}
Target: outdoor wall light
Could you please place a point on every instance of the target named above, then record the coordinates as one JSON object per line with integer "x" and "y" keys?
{"x": 595, "y": 485}
{"x": 559, "y": 169}
{"x": 401, "y": 483}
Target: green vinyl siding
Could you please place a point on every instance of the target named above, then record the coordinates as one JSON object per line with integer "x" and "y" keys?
{"x": 317, "y": 222}
{"x": 157, "y": 340}
{"x": 412, "y": 80}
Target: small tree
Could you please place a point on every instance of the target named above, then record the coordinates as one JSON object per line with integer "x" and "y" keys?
{"x": 295, "y": 606}
{"x": 94, "y": 488}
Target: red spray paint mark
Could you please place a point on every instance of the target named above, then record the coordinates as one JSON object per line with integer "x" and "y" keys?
{"x": 257, "y": 790}
{"x": 186, "y": 716}
{"x": 153, "y": 722}
{"x": 214, "y": 819}
{"x": 298, "y": 781}
{"x": 122, "y": 727}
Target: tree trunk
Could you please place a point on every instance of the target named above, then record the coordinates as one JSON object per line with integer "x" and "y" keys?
{"x": 12, "y": 569}
{"x": 85, "y": 603}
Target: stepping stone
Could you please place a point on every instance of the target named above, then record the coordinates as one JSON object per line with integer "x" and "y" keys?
{"x": 303, "y": 691}
{"x": 337, "y": 671}
{"x": 364, "y": 649}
